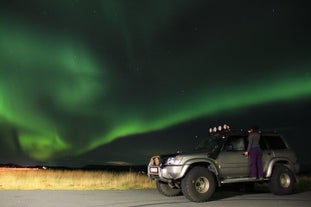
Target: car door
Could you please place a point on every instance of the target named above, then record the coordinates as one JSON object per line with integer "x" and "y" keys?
{"x": 272, "y": 146}
{"x": 232, "y": 162}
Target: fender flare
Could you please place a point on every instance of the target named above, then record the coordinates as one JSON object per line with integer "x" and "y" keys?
{"x": 286, "y": 162}
{"x": 212, "y": 166}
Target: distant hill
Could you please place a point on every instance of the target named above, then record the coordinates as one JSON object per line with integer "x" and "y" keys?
{"x": 108, "y": 167}
{"x": 11, "y": 165}
{"x": 117, "y": 168}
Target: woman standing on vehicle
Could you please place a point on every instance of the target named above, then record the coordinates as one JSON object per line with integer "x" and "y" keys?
{"x": 254, "y": 152}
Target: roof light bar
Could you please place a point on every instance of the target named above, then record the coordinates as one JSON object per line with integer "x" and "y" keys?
{"x": 220, "y": 128}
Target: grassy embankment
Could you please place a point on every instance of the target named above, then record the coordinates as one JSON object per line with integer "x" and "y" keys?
{"x": 92, "y": 180}
{"x": 72, "y": 180}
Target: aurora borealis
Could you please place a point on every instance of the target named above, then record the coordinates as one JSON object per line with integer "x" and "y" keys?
{"x": 79, "y": 75}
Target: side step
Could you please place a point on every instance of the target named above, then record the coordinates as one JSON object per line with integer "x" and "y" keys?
{"x": 247, "y": 179}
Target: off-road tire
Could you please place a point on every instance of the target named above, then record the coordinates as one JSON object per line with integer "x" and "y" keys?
{"x": 282, "y": 180}
{"x": 167, "y": 190}
{"x": 198, "y": 185}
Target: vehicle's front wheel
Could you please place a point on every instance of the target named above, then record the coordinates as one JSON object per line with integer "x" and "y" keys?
{"x": 167, "y": 190}
{"x": 282, "y": 181}
{"x": 198, "y": 185}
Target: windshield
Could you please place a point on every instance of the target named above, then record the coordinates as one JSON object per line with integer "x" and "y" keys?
{"x": 210, "y": 144}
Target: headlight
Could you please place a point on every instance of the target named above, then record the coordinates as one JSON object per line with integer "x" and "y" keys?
{"x": 174, "y": 160}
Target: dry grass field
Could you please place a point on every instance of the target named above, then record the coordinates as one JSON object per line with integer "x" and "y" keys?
{"x": 38, "y": 179}
{"x": 35, "y": 179}
{"x": 304, "y": 182}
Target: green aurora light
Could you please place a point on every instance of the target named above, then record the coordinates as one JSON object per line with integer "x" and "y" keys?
{"x": 66, "y": 100}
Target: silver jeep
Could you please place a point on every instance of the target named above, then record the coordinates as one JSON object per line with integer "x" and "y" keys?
{"x": 219, "y": 160}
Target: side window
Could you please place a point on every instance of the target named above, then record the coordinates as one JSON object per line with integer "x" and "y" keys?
{"x": 274, "y": 142}
{"x": 235, "y": 144}
{"x": 263, "y": 143}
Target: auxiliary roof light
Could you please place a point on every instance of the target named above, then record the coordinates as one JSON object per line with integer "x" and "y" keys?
{"x": 219, "y": 128}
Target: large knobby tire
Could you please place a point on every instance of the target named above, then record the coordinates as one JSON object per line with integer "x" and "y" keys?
{"x": 198, "y": 185}
{"x": 167, "y": 190}
{"x": 282, "y": 181}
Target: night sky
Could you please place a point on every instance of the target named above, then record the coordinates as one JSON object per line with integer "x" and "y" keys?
{"x": 94, "y": 82}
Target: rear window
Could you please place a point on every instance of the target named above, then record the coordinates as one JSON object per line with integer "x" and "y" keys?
{"x": 273, "y": 142}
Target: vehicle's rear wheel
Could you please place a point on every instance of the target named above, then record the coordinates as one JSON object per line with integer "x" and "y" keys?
{"x": 198, "y": 185}
{"x": 167, "y": 190}
{"x": 282, "y": 181}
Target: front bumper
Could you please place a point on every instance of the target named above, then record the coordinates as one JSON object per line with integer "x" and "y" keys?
{"x": 167, "y": 173}
{"x": 174, "y": 172}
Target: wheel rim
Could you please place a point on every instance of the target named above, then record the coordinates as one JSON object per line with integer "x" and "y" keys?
{"x": 202, "y": 185}
{"x": 285, "y": 180}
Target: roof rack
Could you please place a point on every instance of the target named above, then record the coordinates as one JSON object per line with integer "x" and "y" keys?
{"x": 220, "y": 128}
{"x": 225, "y": 129}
